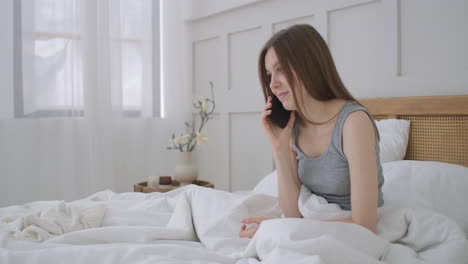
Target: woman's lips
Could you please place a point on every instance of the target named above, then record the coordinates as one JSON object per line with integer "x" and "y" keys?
{"x": 281, "y": 95}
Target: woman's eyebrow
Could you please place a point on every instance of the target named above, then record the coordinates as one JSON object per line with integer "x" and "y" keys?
{"x": 274, "y": 65}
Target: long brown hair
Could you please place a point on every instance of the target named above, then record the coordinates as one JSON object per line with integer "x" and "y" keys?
{"x": 301, "y": 49}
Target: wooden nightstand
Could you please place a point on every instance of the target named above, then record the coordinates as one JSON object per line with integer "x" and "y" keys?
{"x": 143, "y": 186}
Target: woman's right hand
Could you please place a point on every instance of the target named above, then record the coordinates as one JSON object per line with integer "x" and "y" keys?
{"x": 279, "y": 137}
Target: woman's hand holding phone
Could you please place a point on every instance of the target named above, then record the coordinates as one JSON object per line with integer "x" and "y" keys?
{"x": 278, "y": 137}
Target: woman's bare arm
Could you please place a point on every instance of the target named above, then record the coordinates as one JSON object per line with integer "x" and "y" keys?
{"x": 289, "y": 184}
{"x": 359, "y": 139}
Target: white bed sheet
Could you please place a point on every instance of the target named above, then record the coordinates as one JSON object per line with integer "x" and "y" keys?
{"x": 201, "y": 225}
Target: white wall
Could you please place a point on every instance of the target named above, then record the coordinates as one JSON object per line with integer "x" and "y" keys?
{"x": 381, "y": 48}
{"x": 204, "y": 8}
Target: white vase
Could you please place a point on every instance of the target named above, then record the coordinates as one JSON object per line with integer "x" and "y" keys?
{"x": 185, "y": 172}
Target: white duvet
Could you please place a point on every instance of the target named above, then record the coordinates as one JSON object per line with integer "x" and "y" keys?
{"x": 201, "y": 225}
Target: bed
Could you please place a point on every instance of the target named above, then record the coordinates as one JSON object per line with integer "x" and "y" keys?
{"x": 439, "y": 125}
{"x": 424, "y": 219}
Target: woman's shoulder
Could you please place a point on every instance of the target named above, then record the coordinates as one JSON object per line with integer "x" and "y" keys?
{"x": 357, "y": 120}
{"x": 358, "y": 128}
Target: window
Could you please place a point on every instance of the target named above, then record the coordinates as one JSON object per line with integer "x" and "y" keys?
{"x": 136, "y": 51}
{"x": 50, "y": 40}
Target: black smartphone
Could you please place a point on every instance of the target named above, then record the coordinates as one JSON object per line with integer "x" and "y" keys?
{"x": 279, "y": 115}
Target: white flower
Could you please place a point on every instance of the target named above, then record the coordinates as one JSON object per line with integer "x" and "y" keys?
{"x": 176, "y": 141}
{"x": 189, "y": 141}
{"x": 181, "y": 140}
{"x": 203, "y": 101}
{"x": 204, "y": 106}
{"x": 202, "y": 137}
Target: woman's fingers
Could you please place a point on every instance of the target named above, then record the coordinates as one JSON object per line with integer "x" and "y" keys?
{"x": 268, "y": 103}
{"x": 251, "y": 220}
{"x": 250, "y": 232}
{"x": 254, "y": 220}
{"x": 266, "y": 113}
{"x": 266, "y": 109}
{"x": 265, "y": 121}
{"x": 243, "y": 234}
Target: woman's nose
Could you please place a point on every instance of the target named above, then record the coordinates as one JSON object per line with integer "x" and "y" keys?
{"x": 274, "y": 83}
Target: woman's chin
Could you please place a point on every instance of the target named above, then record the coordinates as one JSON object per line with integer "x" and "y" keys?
{"x": 288, "y": 107}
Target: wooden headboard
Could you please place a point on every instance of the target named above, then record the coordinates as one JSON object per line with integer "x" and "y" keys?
{"x": 439, "y": 125}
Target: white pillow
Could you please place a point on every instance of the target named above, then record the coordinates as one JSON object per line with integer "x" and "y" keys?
{"x": 438, "y": 186}
{"x": 394, "y": 135}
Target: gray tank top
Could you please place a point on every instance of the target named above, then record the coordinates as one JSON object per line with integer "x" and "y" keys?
{"x": 328, "y": 175}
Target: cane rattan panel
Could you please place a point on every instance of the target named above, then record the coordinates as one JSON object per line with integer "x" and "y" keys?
{"x": 380, "y": 117}
{"x": 439, "y": 138}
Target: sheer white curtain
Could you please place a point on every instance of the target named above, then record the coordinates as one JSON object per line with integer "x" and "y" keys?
{"x": 84, "y": 97}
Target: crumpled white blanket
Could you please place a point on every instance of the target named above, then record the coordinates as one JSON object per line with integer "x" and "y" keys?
{"x": 404, "y": 235}
{"x": 201, "y": 225}
{"x": 315, "y": 240}
{"x": 316, "y": 207}
{"x": 40, "y": 221}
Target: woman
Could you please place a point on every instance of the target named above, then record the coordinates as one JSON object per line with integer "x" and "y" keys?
{"x": 330, "y": 144}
